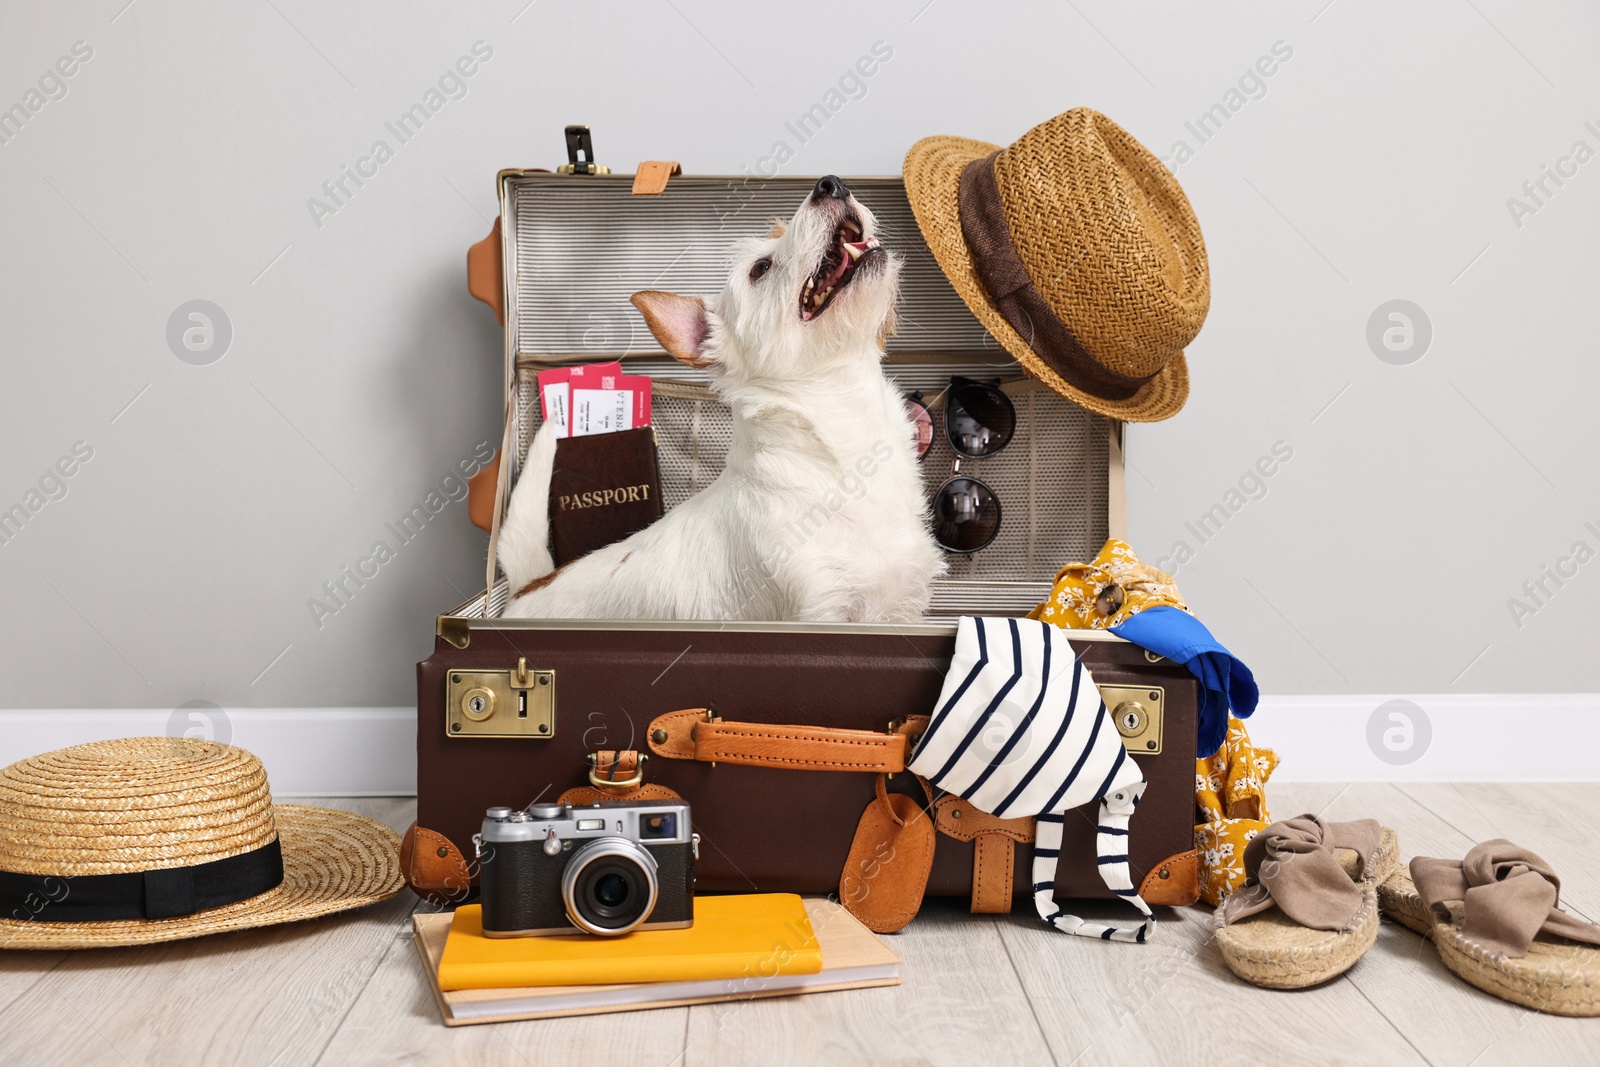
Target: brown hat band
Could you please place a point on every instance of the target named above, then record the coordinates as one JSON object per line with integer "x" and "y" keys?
{"x": 988, "y": 236}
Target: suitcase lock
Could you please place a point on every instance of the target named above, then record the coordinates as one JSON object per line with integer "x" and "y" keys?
{"x": 1139, "y": 712}
{"x": 511, "y": 703}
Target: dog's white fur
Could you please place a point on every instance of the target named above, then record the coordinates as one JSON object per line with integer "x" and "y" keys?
{"x": 819, "y": 514}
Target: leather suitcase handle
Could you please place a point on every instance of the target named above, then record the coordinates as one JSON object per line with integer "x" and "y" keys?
{"x": 695, "y": 733}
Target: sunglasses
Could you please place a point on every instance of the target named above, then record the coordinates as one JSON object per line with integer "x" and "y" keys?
{"x": 978, "y": 422}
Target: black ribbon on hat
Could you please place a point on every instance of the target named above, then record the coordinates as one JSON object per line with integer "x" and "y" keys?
{"x": 164, "y": 893}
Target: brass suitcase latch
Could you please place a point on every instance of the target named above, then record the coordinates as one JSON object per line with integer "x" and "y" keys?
{"x": 511, "y": 703}
{"x": 1139, "y": 712}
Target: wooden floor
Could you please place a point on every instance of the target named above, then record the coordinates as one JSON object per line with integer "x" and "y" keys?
{"x": 996, "y": 991}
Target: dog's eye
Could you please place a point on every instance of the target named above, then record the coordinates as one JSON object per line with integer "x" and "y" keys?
{"x": 760, "y": 267}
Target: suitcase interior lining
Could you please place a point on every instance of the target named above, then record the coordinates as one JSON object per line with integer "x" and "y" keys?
{"x": 584, "y": 245}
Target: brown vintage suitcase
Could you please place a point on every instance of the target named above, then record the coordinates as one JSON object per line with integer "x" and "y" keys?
{"x": 763, "y": 829}
{"x": 510, "y": 711}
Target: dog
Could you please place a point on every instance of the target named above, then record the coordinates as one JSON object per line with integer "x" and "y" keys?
{"x": 820, "y": 513}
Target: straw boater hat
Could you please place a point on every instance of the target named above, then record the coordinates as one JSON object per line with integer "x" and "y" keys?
{"x": 151, "y": 839}
{"x": 1078, "y": 251}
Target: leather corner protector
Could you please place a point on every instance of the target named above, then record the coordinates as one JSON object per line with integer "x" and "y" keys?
{"x": 433, "y": 867}
{"x": 675, "y": 731}
{"x": 651, "y": 178}
{"x": 1174, "y": 882}
{"x": 486, "y": 272}
{"x": 958, "y": 819}
{"x": 483, "y": 494}
{"x": 455, "y": 629}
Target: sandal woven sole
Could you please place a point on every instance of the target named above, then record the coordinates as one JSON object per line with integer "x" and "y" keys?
{"x": 1398, "y": 899}
{"x": 1556, "y": 977}
{"x": 1274, "y": 951}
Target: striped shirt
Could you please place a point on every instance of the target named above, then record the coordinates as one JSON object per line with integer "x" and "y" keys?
{"x": 1020, "y": 730}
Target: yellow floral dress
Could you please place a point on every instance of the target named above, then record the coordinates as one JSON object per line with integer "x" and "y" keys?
{"x": 1107, "y": 592}
{"x": 1230, "y": 784}
{"x": 1231, "y": 800}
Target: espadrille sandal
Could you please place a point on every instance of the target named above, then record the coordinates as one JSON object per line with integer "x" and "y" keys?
{"x": 1495, "y": 920}
{"x": 1309, "y": 906}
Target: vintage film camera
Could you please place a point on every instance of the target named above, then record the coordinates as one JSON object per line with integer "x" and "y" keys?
{"x": 609, "y": 868}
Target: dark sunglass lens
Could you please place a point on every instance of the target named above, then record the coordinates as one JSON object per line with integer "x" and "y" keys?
{"x": 979, "y": 418}
{"x": 921, "y": 425}
{"x": 966, "y": 515}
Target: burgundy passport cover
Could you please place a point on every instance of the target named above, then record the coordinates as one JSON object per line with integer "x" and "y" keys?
{"x": 603, "y": 488}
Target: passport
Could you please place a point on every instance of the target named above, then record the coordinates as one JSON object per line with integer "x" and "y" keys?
{"x": 603, "y": 488}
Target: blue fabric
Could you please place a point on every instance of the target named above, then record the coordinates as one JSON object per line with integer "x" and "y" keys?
{"x": 1225, "y": 682}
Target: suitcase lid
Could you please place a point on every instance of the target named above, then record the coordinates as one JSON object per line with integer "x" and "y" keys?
{"x": 569, "y": 249}
{"x": 571, "y": 272}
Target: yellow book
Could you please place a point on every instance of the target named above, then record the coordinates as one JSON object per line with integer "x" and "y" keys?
{"x": 752, "y": 936}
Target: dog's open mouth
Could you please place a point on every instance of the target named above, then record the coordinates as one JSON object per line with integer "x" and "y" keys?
{"x": 844, "y": 257}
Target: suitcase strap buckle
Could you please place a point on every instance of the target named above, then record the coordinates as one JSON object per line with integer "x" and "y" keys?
{"x": 616, "y": 771}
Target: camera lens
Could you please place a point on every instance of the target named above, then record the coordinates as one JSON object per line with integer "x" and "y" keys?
{"x": 609, "y": 886}
{"x": 610, "y": 889}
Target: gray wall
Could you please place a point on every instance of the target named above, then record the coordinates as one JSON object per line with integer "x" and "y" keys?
{"x": 1374, "y": 164}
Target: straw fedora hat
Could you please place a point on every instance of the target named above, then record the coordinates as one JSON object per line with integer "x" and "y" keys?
{"x": 1078, "y": 251}
{"x": 149, "y": 839}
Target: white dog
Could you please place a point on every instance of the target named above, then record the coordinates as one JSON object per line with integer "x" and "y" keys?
{"x": 819, "y": 514}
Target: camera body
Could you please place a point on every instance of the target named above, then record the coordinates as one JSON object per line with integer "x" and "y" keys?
{"x": 608, "y": 868}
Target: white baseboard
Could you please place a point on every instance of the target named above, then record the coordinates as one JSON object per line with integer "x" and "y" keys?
{"x": 308, "y": 752}
{"x": 1475, "y": 737}
{"x": 1479, "y": 737}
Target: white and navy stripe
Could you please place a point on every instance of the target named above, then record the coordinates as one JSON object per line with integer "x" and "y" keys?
{"x": 1020, "y": 730}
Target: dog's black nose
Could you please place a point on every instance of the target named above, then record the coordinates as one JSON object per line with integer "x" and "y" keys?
{"x": 831, "y": 187}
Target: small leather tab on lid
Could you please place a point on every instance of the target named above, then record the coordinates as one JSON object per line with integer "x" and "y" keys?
{"x": 651, "y": 179}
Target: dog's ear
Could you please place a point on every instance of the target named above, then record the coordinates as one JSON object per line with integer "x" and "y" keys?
{"x": 680, "y": 323}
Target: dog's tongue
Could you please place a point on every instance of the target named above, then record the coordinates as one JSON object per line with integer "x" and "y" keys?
{"x": 853, "y": 250}
{"x": 838, "y": 272}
